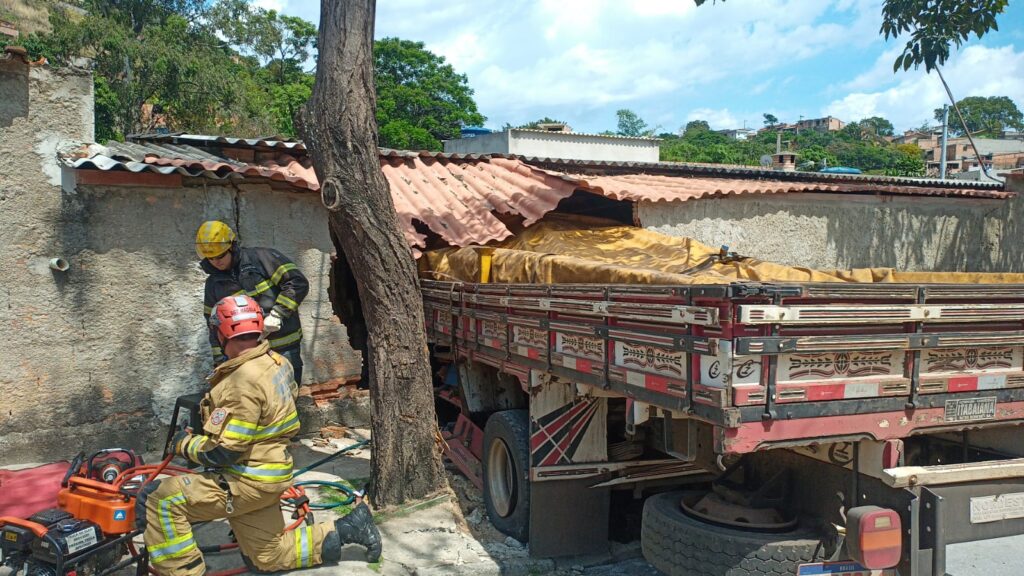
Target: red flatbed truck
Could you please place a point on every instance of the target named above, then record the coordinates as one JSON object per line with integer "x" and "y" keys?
{"x": 768, "y": 428}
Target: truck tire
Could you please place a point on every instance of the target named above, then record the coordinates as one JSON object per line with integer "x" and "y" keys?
{"x": 679, "y": 545}
{"x": 506, "y": 466}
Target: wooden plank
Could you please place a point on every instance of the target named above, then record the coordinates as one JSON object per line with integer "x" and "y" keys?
{"x": 906, "y": 476}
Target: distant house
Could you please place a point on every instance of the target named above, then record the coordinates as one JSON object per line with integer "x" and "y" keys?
{"x": 997, "y": 154}
{"x": 826, "y": 124}
{"x": 739, "y": 133}
{"x": 924, "y": 139}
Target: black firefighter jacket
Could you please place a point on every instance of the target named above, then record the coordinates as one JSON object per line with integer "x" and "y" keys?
{"x": 268, "y": 277}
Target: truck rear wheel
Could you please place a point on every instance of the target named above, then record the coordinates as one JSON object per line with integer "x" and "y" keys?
{"x": 506, "y": 466}
{"x": 681, "y": 545}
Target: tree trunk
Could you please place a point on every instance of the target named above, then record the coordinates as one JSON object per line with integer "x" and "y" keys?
{"x": 339, "y": 127}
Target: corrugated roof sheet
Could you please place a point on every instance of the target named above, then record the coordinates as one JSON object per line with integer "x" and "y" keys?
{"x": 656, "y": 187}
{"x": 457, "y": 199}
{"x": 457, "y": 195}
{"x": 205, "y": 140}
{"x": 585, "y": 166}
{"x": 600, "y": 167}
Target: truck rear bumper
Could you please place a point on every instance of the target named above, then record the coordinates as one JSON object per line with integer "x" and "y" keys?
{"x": 959, "y": 503}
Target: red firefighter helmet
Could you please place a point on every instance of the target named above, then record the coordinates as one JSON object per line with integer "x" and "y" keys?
{"x": 237, "y": 315}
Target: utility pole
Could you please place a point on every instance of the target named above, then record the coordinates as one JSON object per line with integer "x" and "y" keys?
{"x": 945, "y": 131}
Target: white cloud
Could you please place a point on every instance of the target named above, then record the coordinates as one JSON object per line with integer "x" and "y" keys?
{"x": 662, "y": 8}
{"x": 569, "y": 18}
{"x": 277, "y": 5}
{"x": 579, "y": 55}
{"x": 462, "y": 51}
{"x": 720, "y": 119}
{"x": 761, "y": 87}
{"x": 974, "y": 71}
{"x": 880, "y": 74}
{"x": 579, "y": 60}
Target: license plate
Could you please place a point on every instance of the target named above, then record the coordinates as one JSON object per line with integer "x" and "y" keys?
{"x": 970, "y": 409}
{"x": 997, "y": 508}
{"x": 846, "y": 568}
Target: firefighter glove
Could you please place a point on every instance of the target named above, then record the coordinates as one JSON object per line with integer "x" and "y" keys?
{"x": 140, "y": 503}
{"x": 180, "y": 442}
{"x": 272, "y": 323}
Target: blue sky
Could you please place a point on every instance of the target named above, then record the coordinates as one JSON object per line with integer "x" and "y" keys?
{"x": 581, "y": 60}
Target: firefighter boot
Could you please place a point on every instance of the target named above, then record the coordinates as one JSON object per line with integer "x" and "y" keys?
{"x": 355, "y": 528}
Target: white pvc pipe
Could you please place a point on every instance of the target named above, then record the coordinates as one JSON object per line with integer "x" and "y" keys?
{"x": 59, "y": 264}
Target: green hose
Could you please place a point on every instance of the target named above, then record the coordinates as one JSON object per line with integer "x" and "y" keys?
{"x": 337, "y": 486}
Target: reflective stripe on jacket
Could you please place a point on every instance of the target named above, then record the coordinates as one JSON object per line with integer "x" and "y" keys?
{"x": 250, "y": 409}
{"x": 271, "y": 279}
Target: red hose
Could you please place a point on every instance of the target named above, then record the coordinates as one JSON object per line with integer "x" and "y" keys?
{"x": 150, "y": 470}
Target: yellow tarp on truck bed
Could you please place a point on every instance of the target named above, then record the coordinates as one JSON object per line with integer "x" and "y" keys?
{"x": 575, "y": 250}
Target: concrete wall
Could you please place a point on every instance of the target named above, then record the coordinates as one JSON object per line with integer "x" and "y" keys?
{"x": 14, "y": 88}
{"x": 493, "y": 143}
{"x": 829, "y": 231}
{"x": 49, "y": 392}
{"x": 94, "y": 357}
{"x": 562, "y": 145}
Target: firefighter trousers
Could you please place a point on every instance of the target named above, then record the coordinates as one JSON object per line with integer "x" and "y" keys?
{"x": 255, "y": 518}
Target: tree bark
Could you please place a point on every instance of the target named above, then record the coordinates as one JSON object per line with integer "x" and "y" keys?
{"x": 339, "y": 127}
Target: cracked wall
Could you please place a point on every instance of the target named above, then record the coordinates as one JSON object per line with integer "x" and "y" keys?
{"x": 94, "y": 357}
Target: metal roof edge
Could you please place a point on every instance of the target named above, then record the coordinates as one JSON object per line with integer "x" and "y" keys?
{"x": 733, "y": 170}
{"x": 569, "y": 167}
{"x": 588, "y": 134}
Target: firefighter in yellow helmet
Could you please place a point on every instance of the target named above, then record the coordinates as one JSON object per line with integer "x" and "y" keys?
{"x": 262, "y": 273}
{"x": 248, "y": 418}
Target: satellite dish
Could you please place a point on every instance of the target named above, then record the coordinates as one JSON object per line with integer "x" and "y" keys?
{"x": 766, "y": 160}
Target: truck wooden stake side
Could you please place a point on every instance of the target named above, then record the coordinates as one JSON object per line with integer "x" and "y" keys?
{"x": 769, "y": 428}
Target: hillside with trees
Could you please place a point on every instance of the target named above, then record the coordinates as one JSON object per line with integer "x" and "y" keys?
{"x": 228, "y": 67}
{"x": 861, "y": 145}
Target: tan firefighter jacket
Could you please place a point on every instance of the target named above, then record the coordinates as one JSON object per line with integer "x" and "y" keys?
{"x": 250, "y": 409}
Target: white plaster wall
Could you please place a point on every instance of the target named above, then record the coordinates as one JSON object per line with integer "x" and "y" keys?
{"x": 831, "y": 231}
{"x": 568, "y": 146}
{"x": 571, "y": 146}
{"x": 493, "y": 143}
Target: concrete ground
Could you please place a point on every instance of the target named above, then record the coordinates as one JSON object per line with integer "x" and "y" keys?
{"x": 446, "y": 535}
{"x": 450, "y": 535}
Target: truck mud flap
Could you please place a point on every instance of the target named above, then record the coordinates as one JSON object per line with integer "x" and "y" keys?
{"x": 568, "y": 518}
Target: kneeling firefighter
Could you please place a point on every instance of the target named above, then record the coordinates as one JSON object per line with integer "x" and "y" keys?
{"x": 248, "y": 417}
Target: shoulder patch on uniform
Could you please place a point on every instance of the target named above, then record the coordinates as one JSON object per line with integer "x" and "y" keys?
{"x": 218, "y": 416}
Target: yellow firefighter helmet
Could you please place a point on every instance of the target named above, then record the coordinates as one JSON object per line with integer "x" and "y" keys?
{"x": 213, "y": 239}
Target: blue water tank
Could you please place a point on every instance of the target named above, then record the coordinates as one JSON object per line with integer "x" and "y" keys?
{"x": 840, "y": 170}
{"x": 474, "y": 131}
